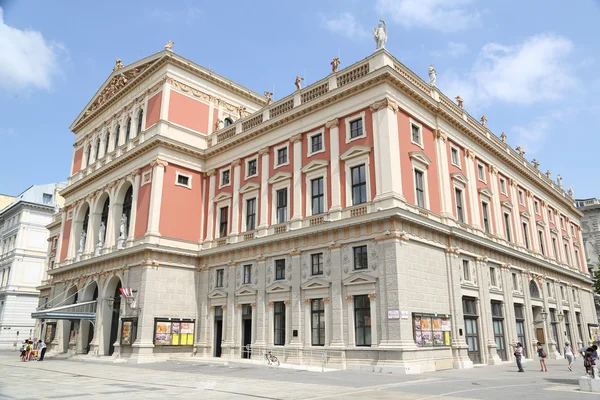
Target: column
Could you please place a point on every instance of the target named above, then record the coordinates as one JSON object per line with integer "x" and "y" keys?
{"x": 485, "y": 311}
{"x": 518, "y": 230}
{"x": 349, "y": 300}
{"x": 295, "y": 309}
{"x": 337, "y": 302}
{"x": 335, "y": 210}
{"x": 271, "y": 324}
{"x": 109, "y": 242}
{"x": 532, "y": 223}
{"x": 164, "y": 104}
{"x": 264, "y": 191}
{"x": 547, "y": 233}
{"x": 134, "y": 200}
{"x": 472, "y": 185}
{"x": 296, "y": 220}
{"x": 373, "y": 309}
{"x": 498, "y": 218}
{"x": 551, "y": 347}
{"x": 63, "y": 219}
{"x": 261, "y": 303}
{"x": 93, "y": 155}
{"x": 93, "y": 225}
{"x": 235, "y": 207}
{"x": 510, "y": 322}
{"x": 158, "y": 174}
{"x": 386, "y": 144}
{"x": 443, "y": 172}
{"x": 530, "y": 333}
{"x": 210, "y": 217}
{"x": 460, "y": 349}
{"x": 572, "y": 318}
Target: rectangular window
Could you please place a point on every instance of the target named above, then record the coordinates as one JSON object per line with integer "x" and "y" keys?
{"x": 459, "y": 205}
{"x": 555, "y": 248}
{"x": 359, "y": 184}
{"x": 252, "y": 168}
{"x": 356, "y": 128}
{"x": 526, "y": 235}
{"x": 317, "y": 196}
{"x": 279, "y": 270}
{"x": 223, "y": 221}
{"x": 466, "y": 270}
{"x": 577, "y": 257}
{"x": 493, "y": 276}
{"x": 316, "y": 261}
{"x": 279, "y": 323}
{"x": 420, "y": 193}
{"x": 47, "y": 198}
{"x": 250, "y": 214}
{"x": 486, "y": 217}
{"x": 550, "y": 215}
{"x": 225, "y": 177}
{"x": 549, "y": 289}
{"x": 281, "y": 206}
{"x": 282, "y": 156}
{"x": 521, "y": 198}
{"x": 415, "y": 134}
{"x": 562, "y": 222}
{"x": 481, "y": 172}
{"x": 454, "y": 156}
{"x": 507, "y": 226}
{"x": 503, "y": 185}
{"x": 515, "y": 283}
{"x": 572, "y": 230}
{"x": 542, "y": 246}
{"x": 567, "y": 258}
{"x": 536, "y": 205}
{"x": 316, "y": 143}
{"x": 360, "y": 257}
{"x": 220, "y": 274}
{"x": 317, "y": 314}
{"x": 183, "y": 180}
{"x": 579, "y": 330}
{"x": 362, "y": 320}
{"x": 247, "y": 274}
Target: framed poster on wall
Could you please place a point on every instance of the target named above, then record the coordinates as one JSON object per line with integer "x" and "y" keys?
{"x": 173, "y": 332}
{"x": 431, "y": 330}
{"x": 128, "y": 331}
{"x": 594, "y": 332}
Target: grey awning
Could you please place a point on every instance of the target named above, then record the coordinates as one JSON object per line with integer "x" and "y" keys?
{"x": 77, "y": 311}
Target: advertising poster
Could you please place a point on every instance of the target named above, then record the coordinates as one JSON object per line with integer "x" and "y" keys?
{"x": 446, "y": 338}
{"x": 438, "y": 338}
{"x": 418, "y": 323}
{"x": 425, "y": 323}
{"x": 435, "y": 324}
{"x": 163, "y": 333}
{"x": 186, "y": 327}
{"x": 594, "y": 333}
{"x": 445, "y": 324}
{"x": 126, "y": 332}
{"x": 418, "y": 338}
{"x": 426, "y": 338}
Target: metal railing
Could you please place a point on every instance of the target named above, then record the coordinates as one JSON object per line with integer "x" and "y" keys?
{"x": 304, "y": 357}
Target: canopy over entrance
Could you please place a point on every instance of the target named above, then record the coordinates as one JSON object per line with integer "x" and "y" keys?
{"x": 77, "y": 311}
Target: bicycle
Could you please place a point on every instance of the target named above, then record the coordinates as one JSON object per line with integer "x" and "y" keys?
{"x": 270, "y": 359}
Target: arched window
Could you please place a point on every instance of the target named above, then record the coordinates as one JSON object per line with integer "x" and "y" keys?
{"x": 139, "y": 121}
{"x": 117, "y": 134}
{"x": 106, "y": 142}
{"x": 87, "y": 155}
{"x": 97, "y": 148}
{"x": 227, "y": 121}
{"x": 104, "y": 216}
{"x": 127, "y": 208}
{"x": 534, "y": 290}
{"x": 128, "y": 130}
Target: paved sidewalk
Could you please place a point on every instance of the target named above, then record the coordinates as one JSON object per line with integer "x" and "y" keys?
{"x": 70, "y": 379}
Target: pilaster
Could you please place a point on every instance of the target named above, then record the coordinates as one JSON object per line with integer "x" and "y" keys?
{"x": 210, "y": 217}
{"x": 235, "y": 211}
{"x": 498, "y": 220}
{"x": 335, "y": 209}
{"x": 296, "y": 220}
{"x": 443, "y": 173}
{"x": 134, "y": 199}
{"x": 264, "y": 191}
{"x": 485, "y": 312}
{"x": 338, "y": 327}
{"x": 516, "y": 215}
{"x": 295, "y": 306}
{"x": 472, "y": 185}
{"x": 158, "y": 174}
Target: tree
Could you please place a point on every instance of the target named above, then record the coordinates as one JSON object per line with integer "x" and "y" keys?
{"x": 596, "y": 279}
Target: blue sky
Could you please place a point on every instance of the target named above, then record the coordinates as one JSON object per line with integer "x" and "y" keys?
{"x": 529, "y": 66}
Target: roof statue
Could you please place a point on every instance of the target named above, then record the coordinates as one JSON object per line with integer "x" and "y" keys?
{"x": 269, "y": 97}
{"x": 521, "y": 151}
{"x": 118, "y": 64}
{"x": 298, "y": 82}
{"x": 535, "y": 163}
{"x": 503, "y": 137}
{"x": 548, "y": 174}
{"x": 335, "y": 64}
{"x": 483, "y": 120}
{"x": 570, "y": 192}
{"x": 241, "y": 111}
{"x": 559, "y": 181}
{"x": 432, "y": 75}
{"x": 380, "y": 35}
{"x": 459, "y": 100}
{"x": 169, "y": 45}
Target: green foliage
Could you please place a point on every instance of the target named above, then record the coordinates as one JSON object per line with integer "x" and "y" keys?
{"x": 596, "y": 280}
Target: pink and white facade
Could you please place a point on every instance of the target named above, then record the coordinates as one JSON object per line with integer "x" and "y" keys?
{"x": 366, "y": 215}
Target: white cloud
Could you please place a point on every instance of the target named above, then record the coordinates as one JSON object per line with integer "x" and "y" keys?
{"x": 531, "y": 72}
{"x": 452, "y": 50}
{"x": 441, "y": 15}
{"x": 531, "y": 136}
{"x": 27, "y": 59}
{"x": 345, "y": 25}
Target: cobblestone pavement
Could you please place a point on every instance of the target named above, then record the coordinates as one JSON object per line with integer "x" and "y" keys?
{"x": 71, "y": 379}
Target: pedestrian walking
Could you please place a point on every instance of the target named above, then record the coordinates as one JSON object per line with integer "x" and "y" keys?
{"x": 41, "y": 349}
{"x": 569, "y": 355}
{"x": 589, "y": 362}
{"x": 542, "y": 357}
{"x": 518, "y": 348}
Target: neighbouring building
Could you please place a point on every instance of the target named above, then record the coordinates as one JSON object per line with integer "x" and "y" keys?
{"x": 591, "y": 236}
{"x": 23, "y": 244}
{"x": 366, "y": 219}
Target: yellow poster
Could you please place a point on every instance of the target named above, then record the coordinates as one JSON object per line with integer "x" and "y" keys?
{"x": 183, "y": 339}
{"x": 447, "y": 338}
{"x": 190, "y": 338}
{"x": 175, "y": 341}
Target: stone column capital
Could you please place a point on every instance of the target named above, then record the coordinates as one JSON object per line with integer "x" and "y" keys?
{"x": 440, "y": 135}
{"x": 263, "y": 151}
{"x": 384, "y": 103}
{"x": 159, "y": 162}
{"x": 332, "y": 124}
{"x": 210, "y": 172}
{"x": 236, "y": 162}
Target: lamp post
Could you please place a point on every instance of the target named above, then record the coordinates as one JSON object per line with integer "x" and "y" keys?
{"x": 561, "y": 316}
{"x": 544, "y": 315}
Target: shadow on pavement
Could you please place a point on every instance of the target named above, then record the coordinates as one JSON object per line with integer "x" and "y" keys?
{"x": 564, "y": 381}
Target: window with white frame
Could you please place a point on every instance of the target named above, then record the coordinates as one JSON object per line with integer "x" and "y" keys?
{"x": 493, "y": 282}
{"x": 47, "y": 198}
{"x": 281, "y": 197}
{"x": 316, "y": 143}
{"x": 562, "y": 222}
{"x": 555, "y": 248}
{"x": 182, "y": 179}
{"x": 225, "y": 177}
{"x": 526, "y": 234}
{"x": 419, "y": 188}
{"x": 455, "y": 156}
{"x": 251, "y": 168}
{"x": 542, "y": 245}
{"x": 550, "y": 216}
{"x": 577, "y": 258}
{"x": 486, "y": 216}
{"x": 466, "y": 270}
{"x": 481, "y": 172}
{"x": 223, "y": 221}
{"x": 536, "y": 205}
{"x": 282, "y": 156}
{"x": 251, "y": 214}
{"x": 317, "y": 196}
{"x": 247, "y": 274}
{"x": 356, "y": 128}
{"x": 502, "y": 185}
{"x": 521, "y": 197}
{"x": 567, "y": 258}
{"x": 359, "y": 184}
{"x": 573, "y": 230}
{"x": 460, "y": 214}
{"x": 219, "y": 278}
{"x": 507, "y": 226}
{"x": 416, "y": 136}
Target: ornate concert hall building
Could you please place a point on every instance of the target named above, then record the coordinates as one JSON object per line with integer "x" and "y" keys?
{"x": 364, "y": 221}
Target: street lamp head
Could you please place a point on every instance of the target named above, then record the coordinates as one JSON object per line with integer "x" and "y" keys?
{"x": 560, "y": 317}
{"x": 544, "y": 315}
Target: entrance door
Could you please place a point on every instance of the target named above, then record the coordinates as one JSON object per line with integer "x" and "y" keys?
{"x": 499, "y": 338}
{"x": 246, "y": 330}
{"x": 472, "y": 339}
{"x": 114, "y": 327}
{"x": 218, "y": 334}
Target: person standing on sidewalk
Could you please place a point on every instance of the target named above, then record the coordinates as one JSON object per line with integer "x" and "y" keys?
{"x": 569, "y": 355}
{"x": 41, "y": 349}
{"x": 542, "y": 356}
{"x": 519, "y": 355}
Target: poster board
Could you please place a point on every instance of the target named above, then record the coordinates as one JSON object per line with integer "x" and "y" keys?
{"x": 431, "y": 330}
{"x": 173, "y": 332}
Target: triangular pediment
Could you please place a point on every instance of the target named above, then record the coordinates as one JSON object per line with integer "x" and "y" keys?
{"x": 566, "y": 237}
{"x": 315, "y": 165}
{"x": 420, "y": 156}
{"x": 507, "y": 203}
{"x": 278, "y": 288}
{"x": 280, "y": 176}
{"x": 459, "y": 176}
{"x": 525, "y": 214}
{"x": 222, "y": 196}
{"x": 359, "y": 279}
{"x": 249, "y": 187}
{"x": 554, "y": 230}
{"x": 355, "y": 151}
{"x": 540, "y": 223}
{"x": 315, "y": 283}
{"x": 121, "y": 78}
{"x": 217, "y": 294}
{"x": 245, "y": 291}
{"x": 486, "y": 192}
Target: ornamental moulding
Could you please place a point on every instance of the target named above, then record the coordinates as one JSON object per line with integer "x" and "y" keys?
{"x": 385, "y": 103}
